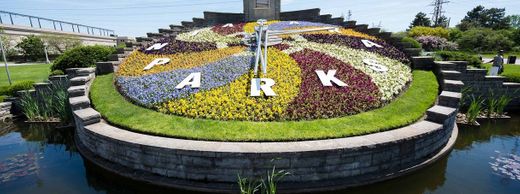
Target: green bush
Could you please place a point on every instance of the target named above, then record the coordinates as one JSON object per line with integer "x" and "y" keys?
{"x": 83, "y": 56}
{"x": 19, "y": 86}
{"x": 57, "y": 72}
{"x": 429, "y": 31}
{"x": 414, "y": 42}
{"x": 459, "y": 56}
{"x": 485, "y": 40}
{"x": 455, "y": 34}
{"x": 32, "y": 48}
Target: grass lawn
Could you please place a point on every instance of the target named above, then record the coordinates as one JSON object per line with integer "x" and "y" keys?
{"x": 35, "y": 73}
{"x": 491, "y": 55}
{"x": 408, "y": 108}
{"x": 511, "y": 72}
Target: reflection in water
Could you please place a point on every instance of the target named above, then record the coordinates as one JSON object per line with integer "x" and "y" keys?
{"x": 41, "y": 159}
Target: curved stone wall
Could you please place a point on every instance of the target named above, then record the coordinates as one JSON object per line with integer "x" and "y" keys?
{"x": 214, "y": 166}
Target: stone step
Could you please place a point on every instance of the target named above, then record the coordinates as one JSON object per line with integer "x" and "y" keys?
{"x": 178, "y": 28}
{"x": 349, "y": 24}
{"x": 80, "y": 102}
{"x": 451, "y": 75}
{"x": 166, "y": 31}
{"x": 144, "y": 39}
{"x": 476, "y": 74}
{"x": 439, "y": 114}
{"x": 495, "y": 78}
{"x": 453, "y": 85}
{"x": 384, "y": 35}
{"x": 446, "y": 65}
{"x": 87, "y": 116}
{"x": 81, "y": 80}
{"x": 511, "y": 85}
{"x": 117, "y": 57}
{"x": 76, "y": 91}
{"x": 361, "y": 27}
{"x": 423, "y": 62}
{"x": 125, "y": 50}
{"x": 450, "y": 99}
{"x": 154, "y": 35}
{"x": 187, "y": 24}
{"x": 373, "y": 31}
{"x": 412, "y": 51}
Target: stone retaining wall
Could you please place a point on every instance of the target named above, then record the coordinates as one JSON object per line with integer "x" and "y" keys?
{"x": 476, "y": 80}
{"x": 314, "y": 165}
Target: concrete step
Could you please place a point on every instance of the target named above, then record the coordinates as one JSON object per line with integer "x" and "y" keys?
{"x": 187, "y": 24}
{"x": 154, "y": 35}
{"x": 117, "y": 57}
{"x": 384, "y": 35}
{"x": 80, "y": 102}
{"x": 511, "y": 85}
{"x": 81, "y": 80}
{"x": 446, "y": 65}
{"x": 106, "y": 67}
{"x": 178, "y": 28}
{"x": 76, "y": 91}
{"x": 87, "y": 116}
{"x": 373, "y": 31}
{"x": 476, "y": 74}
{"x": 450, "y": 99}
{"x": 439, "y": 114}
{"x": 423, "y": 62}
{"x": 453, "y": 85}
{"x": 144, "y": 39}
{"x": 349, "y": 24}
{"x": 451, "y": 75}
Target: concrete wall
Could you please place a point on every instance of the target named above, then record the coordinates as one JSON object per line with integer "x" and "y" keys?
{"x": 16, "y": 33}
{"x": 252, "y": 13}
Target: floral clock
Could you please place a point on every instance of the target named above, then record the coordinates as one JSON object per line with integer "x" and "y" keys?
{"x": 311, "y": 74}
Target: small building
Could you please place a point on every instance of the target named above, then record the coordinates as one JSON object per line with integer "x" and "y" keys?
{"x": 262, "y": 9}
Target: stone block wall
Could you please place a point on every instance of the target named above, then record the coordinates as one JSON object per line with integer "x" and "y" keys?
{"x": 314, "y": 165}
{"x": 476, "y": 80}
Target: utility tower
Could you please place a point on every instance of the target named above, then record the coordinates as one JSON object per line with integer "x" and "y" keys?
{"x": 349, "y": 15}
{"x": 437, "y": 10}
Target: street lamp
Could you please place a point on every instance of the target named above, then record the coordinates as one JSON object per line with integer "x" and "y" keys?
{"x": 46, "y": 54}
{"x": 5, "y": 61}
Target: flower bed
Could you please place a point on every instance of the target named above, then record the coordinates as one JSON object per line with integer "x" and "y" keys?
{"x": 225, "y": 66}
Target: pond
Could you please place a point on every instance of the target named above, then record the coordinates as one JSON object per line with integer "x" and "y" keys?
{"x": 42, "y": 159}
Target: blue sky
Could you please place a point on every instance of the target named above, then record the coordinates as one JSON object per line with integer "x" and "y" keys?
{"x": 135, "y": 18}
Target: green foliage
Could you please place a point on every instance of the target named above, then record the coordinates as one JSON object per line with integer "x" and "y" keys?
{"x": 83, "y": 56}
{"x": 406, "y": 109}
{"x": 514, "y": 21}
{"x": 58, "y": 44}
{"x": 491, "y": 104}
{"x": 414, "y": 42}
{"x": 502, "y": 102}
{"x": 19, "y": 86}
{"x": 480, "y": 17}
{"x": 485, "y": 39}
{"x": 455, "y": 34}
{"x": 429, "y": 31}
{"x": 57, "y": 72}
{"x": 32, "y": 48}
{"x": 9, "y": 49}
{"x": 459, "y": 56}
{"x": 420, "y": 19}
{"x": 46, "y": 106}
{"x": 265, "y": 186}
{"x": 474, "y": 110}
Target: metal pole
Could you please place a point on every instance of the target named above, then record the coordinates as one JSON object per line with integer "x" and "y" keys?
{"x": 54, "y": 24}
{"x": 1, "y": 22}
{"x": 11, "y": 17}
{"x": 30, "y": 20}
{"x": 61, "y": 26}
{"x": 5, "y": 62}
{"x": 39, "y": 23}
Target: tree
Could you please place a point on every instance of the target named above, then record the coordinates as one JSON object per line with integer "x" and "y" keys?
{"x": 8, "y": 46}
{"x": 442, "y": 22}
{"x": 420, "y": 20}
{"x": 32, "y": 48}
{"x": 514, "y": 21}
{"x": 485, "y": 39}
{"x": 480, "y": 17}
{"x": 59, "y": 44}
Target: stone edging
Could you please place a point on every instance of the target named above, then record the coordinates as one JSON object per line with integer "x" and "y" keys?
{"x": 316, "y": 165}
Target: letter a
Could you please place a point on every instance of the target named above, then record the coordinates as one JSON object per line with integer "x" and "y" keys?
{"x": 327, "y": 79}
{"x": 370, "y": 44}
{"x": 159, "y": 61}
{"x": 256, "y": 86}
{"x": 193, "y": 80}
{"x": 157, "y": 46}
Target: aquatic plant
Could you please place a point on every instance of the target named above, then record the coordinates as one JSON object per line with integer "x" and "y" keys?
{"x": 502, "y": 102}
{"x": 474, "y": 110}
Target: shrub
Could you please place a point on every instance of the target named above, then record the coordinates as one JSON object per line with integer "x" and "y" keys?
{"x": 32, "y": 48}
{"x": 459, "y": 56}
{"x": 83, "y": 56}
{"x": 431, "y": 43}
{"x": 48, "y": 107}
{"x": 18, "y": 86}
{"x": 61, "y": 43}
{"x": 414, "y": 42}
{"x": 483, "y": 39}
{"x": 429, "y": 31}
{"x": 455, "y": 34}
{"x": 57, "y": 72}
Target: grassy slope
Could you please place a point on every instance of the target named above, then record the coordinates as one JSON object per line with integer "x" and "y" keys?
{"x": 407, "y": 109}
{"x": 512, "y": 72}
{"x": 35, "y": 73}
